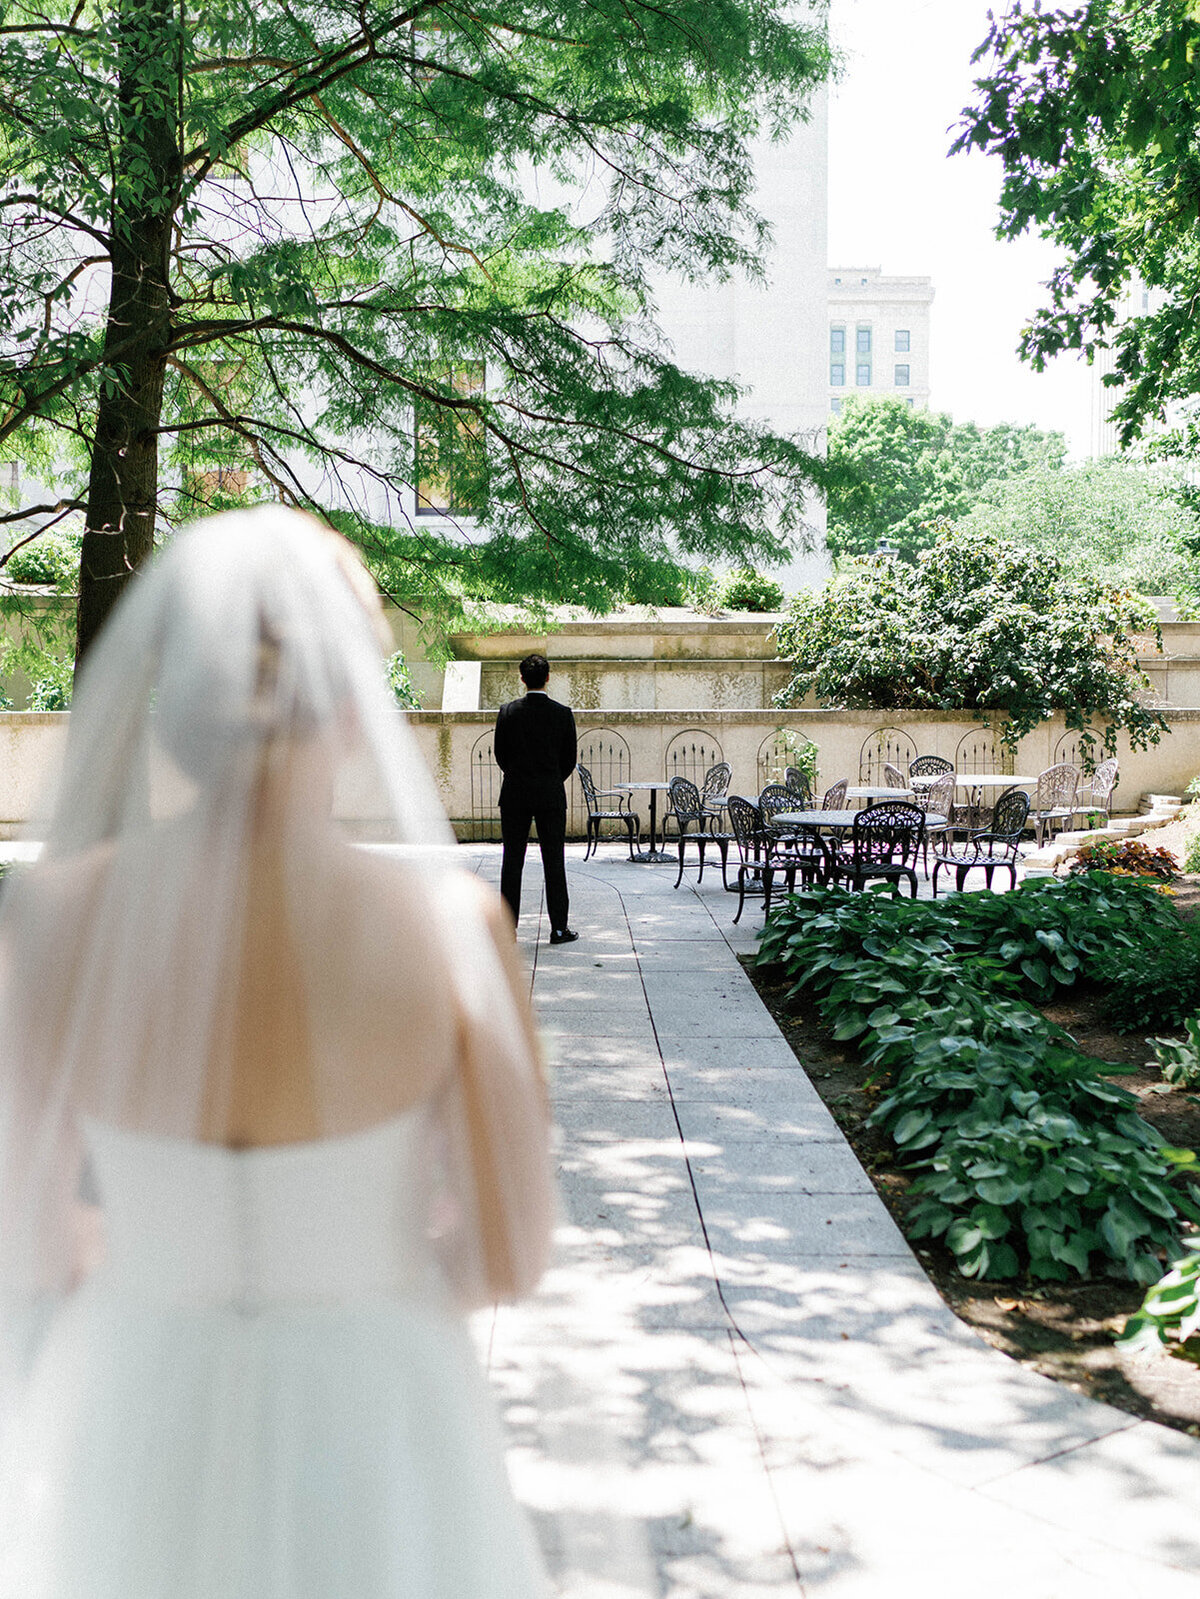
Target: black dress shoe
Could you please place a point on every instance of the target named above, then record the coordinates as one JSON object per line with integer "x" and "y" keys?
{"x": 563, "y": 935}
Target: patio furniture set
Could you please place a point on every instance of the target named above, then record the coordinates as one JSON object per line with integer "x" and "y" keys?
{"x": 783, "y": 834}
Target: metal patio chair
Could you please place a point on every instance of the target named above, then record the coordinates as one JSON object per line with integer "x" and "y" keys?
{"x": 937, "y": 800}
{"x": 761, "y": 857}
{"x": 1100, "y": 789}
{"x": 930, "y": 766}
{"x": 996, "y": 848}
{"x": 884, "y": 844}
{"x": 1054, "y": 801}
{"x": 795, "y": 779}
{"x": 592, "y": 796}
{"x": 693, "y": 825}
{"x": 715, "y": 789}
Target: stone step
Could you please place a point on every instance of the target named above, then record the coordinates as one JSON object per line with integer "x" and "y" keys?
{"x": 1160, "y": 802}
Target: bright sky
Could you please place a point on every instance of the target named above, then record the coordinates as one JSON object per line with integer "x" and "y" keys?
{"x": 897, "y": 202}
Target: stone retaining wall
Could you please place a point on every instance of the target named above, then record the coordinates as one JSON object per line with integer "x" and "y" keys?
{"x": 623, "y": 746}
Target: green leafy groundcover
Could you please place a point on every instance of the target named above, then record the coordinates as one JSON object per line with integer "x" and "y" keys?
{"x": 1028, "y": 1159}
{"x": 1170, "y": 1312}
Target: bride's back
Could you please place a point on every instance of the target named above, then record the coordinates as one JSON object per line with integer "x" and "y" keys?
{"x": 381, "y": 991}
{"x": 331, "y": 1014}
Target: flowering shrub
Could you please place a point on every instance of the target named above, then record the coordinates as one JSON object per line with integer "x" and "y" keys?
{"x": 977, "y": 625}
{"x": 1128, "y": 857}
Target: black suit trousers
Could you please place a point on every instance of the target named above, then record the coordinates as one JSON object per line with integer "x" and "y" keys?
{"x": 516, "y": 816}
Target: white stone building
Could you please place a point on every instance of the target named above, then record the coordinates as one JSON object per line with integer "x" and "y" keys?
{"x": 878, "y": 337}
{"x": 770, "y": 337}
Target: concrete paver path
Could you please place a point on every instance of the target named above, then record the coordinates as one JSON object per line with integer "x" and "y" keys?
{"x": 801, "y": 1413}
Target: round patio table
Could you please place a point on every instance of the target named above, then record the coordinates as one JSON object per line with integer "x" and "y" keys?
{"x": 992, "y": 780}
{"x": 976, "y": 782}
{"x": 814, "y": 818}
{"x": 652, "y": 854}
{"x": 879, "y": 793}
{"x": 834, "y": 818}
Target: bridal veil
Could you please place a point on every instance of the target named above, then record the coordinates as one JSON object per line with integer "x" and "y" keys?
{"x": 233, "y": 726}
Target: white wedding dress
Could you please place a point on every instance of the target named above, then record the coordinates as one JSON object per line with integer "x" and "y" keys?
{"x": 262, "y": 1393}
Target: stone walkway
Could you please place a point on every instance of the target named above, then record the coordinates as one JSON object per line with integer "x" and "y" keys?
{"x": 801, "y": 1414}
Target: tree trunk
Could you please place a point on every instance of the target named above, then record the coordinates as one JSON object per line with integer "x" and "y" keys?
{"x": 123, "y": 483}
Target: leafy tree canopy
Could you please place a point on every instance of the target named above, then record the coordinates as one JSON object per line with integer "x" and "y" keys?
{"x": 314, "y": 251}
{"x": 1121, "y": 524}
{"x": 1094, "y": 111}
{"x": 896, "y": 471}
{"x": 974, "y": 625}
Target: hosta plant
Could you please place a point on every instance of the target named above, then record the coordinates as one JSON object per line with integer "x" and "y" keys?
{"x": 1170, "y": 1312}
{"x": 1179, "y": 1059}
{"x": 1025, "y": 1158}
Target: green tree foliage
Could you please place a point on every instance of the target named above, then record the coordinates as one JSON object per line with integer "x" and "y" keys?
{"x": 314, "y": 251}
{"x": 1124, "y": 525}
{"x": 974, "y": 625}
{"x": 897, "y": 471}
{"x": 1094, "y": 111}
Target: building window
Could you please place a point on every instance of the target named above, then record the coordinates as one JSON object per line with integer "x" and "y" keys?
{"x": 450, "y": 447}
{"x": 902, "y": 377}
{"x": 911, "y": 402}
{"x": 837, "y": 374}
{"x": 837, "y": 341}
{"x": 902, "y": 341}
{"x": 864, "y": 374}
{"x": 863, "y": 341}
{"x": 835, "y": 405}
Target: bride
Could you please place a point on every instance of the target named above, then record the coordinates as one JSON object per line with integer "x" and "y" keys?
{"x": 271, "y": 1119}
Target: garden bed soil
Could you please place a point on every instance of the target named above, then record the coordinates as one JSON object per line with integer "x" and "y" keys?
{"x": 1063, "y": 1330}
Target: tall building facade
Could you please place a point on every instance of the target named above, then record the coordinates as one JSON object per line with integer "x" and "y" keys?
{"x": 769, "y": 337}
{"x": 878, "y": 336}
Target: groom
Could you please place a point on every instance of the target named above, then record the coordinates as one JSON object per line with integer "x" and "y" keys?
{"x": 534, "y": 746}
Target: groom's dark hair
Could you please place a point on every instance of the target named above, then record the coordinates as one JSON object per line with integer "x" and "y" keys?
{"x": 534, "y": 670}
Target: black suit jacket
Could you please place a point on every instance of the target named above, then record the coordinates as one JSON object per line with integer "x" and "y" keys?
{"x": 535, "y": 748}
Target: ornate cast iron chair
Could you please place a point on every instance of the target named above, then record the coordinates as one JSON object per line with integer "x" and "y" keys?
{"x": 937, "y": 800}
{"x": 795, "y": 779}
{"x": 1100, "y": 789}
{"x": 715, "y": 789}
{"x": 930, "y": 766}
{"x": 1054, "y": 801}
{"x": 997, "y": 848}
{"x": 884, "y": 844}
{"x": 693, "y": 823}
{"x": 592, "y": 796}
{"x": 762, "y": 858}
